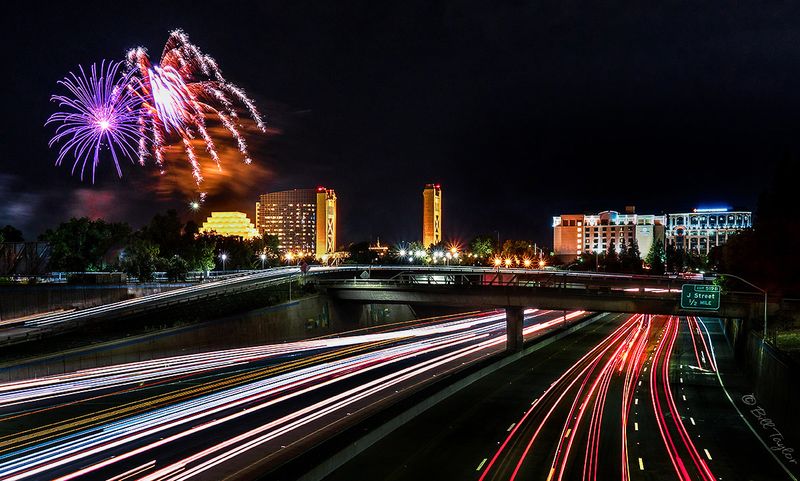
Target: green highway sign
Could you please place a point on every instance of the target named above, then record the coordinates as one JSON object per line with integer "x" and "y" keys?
{"x": 700, "y": 296}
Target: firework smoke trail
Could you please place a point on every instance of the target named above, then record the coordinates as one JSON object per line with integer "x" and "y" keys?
{"x": 101, "y": 112}
{"x": 180, "y": 93}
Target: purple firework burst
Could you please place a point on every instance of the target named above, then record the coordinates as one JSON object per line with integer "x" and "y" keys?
{"x": 101, "y": 112}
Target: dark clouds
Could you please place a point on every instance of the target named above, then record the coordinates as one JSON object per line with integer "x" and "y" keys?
{"x": 520, "y": 109}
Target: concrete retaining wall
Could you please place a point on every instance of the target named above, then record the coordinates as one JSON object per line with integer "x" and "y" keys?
{"x": 308, "y": 317}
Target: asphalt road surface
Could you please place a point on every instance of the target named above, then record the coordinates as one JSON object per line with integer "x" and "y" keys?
{"x": 628, "y": 397}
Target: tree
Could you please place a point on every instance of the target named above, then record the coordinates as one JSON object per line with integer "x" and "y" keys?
{"x": 656, "y": 257}
{"x": 630, "y": 258}
{"x": 140, "y": 259}
{"x": 175, "y": 267}
{"x": 360, "y": 253}
{"x": 166, "y": 231}
{"x": 674, "y": 258}
{"x": 518, "y": 249}
{"x": 611, "y": 260}
{"x": 481, "y": 246}
{"x": 10, "y": 234}
{"x": 81, "y": 244}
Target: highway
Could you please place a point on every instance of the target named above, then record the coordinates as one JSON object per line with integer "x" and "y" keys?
{"x": 629, "y": 397}
{"x": 216, "y": 415}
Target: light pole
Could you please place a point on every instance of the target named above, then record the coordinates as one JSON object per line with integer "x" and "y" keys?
{"x": 224, "y": 257}
{"x": 263, "y": 258}
{"x": 765, "y": 298}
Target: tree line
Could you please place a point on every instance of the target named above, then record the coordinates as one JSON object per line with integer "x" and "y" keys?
{"x": 165, "y": 244}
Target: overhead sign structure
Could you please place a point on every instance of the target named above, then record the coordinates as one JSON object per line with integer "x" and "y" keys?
{"x": 700, "y": 296}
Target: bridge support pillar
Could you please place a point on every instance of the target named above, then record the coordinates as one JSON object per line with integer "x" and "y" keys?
{"x": 514, "y": 319}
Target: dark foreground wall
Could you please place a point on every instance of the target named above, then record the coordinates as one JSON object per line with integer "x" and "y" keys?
{"x": 26, "y": 300}
{"x": 776, "y": 381}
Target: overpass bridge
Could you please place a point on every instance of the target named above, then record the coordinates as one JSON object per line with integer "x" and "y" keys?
{"x": 455, "y": 286}
{"x": 516, "y": 289}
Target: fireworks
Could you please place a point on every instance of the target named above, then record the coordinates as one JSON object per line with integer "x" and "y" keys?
{"x": 141, "y": 111}
{"x": 102, "y": 112}
{"x": 179, "y": 95}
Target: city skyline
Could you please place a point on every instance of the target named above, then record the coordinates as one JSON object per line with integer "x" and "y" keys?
{"x": 544, "y": 137}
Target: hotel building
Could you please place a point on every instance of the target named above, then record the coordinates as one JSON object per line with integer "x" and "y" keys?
{"x": 229, "y": 224}
{"x": 574, "y": 234}
{"x": 703, "y": 229}
{"x": 431, "y": 214}
{"x": 303, "y": 220}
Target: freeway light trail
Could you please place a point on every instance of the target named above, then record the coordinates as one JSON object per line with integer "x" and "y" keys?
{"x": 564, "y": 434}
{"x": 228, "y": 404}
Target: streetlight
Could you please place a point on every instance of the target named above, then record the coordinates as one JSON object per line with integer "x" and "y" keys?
{"x": 263, "y": 258}
{"x": 765, "y": 299}
{"x": 194, "y": 205}
{"x": 224, "y": 257}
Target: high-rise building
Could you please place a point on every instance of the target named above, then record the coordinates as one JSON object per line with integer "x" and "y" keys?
{"x": 574, "y": 234}
{"x": 229, "y": 224}
{"x": 431, "y": 214}
{"x": 303, "y": 220}
{"x": 705, "y": 228}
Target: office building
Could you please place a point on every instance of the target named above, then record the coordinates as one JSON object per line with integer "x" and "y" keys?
{"x": 702, "y": 229}
{"x": 431, "y": 214}
{"x": 235, "y": 224}
{"x": 574, "y": 234}
{"x": 303, "y": 220}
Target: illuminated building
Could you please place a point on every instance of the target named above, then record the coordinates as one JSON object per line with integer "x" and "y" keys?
{"x": 378, "y": 250}
{"x": 431, "y": 214}
{"x": 705, "y": 228}
{"x": 574, "y": 234}
{"x": 303, "y": 220}
{"x": 234, "y": 224}
{"x": 326, "y": 222}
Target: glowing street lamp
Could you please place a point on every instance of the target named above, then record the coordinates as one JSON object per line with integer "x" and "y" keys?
{"x": 527, "y": 262}
{"x": 289, "y": 257}
{"x": 508, "y": 262}
{"x": 224, "y": 257}
{"x": 263, "y": 258}
{"x": 497, "y": 261}
{"x": 542, "y": 263}
{"x": 194, "y": 205}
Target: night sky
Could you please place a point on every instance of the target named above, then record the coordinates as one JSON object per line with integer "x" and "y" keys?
{"x": 521, "y": 110}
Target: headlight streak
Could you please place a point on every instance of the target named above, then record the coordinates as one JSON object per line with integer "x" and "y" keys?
{"x": 101, "y": 378}
{"x": 660, "y": 374}
{"x": 574, "y": 373}
{"x": 478, "y": 333}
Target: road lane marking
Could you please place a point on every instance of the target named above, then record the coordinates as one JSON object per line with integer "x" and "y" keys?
{"x": 482, "y": 463}
{"x": 641, "y": 464}
{"x": 708, "y": 455}
{"x": 692, "y": 420}
{"x": 636, "y": 401}
{"x": 635, "y": 426}
{"x": 511, "y": 427}
{"x": 683, "y": 396}
{"x": 681, "y": 380}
